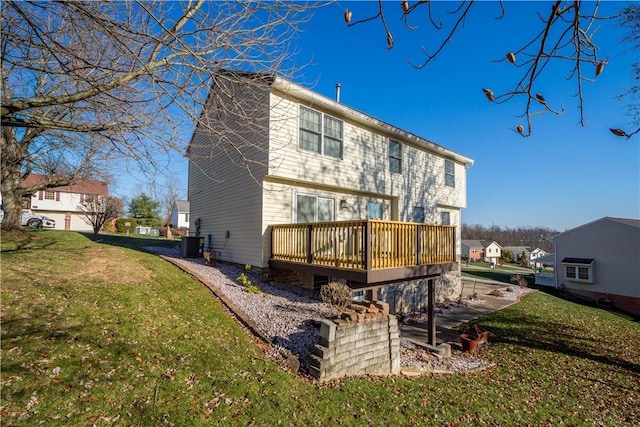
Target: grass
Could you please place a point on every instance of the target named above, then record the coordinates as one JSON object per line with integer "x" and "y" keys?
{"x": 98, "y": 332}
{"x": 502, "y": 273}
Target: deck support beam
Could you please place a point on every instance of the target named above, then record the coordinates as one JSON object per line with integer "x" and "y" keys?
{"x": 431, "y": 318}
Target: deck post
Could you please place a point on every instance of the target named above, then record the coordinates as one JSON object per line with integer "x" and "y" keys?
{"x": 367, "y": 245}
{"x": 418, "y": 242}
{"x": 310, "y": 244}
{"x": 431, "y": 318}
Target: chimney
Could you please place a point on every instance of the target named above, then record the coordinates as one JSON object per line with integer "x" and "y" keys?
{"x": 338, "y": 86}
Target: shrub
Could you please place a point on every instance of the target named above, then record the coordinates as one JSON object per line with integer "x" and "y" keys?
{"x": 243, "y": 280}
{"x": 520, "y": 280}
{"x": 253, "y": 289}
{"x": 121, "y": 227}
{"x": 336, "y": 294}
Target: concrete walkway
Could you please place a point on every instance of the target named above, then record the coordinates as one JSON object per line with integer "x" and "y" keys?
{"x": 447, "y": 321}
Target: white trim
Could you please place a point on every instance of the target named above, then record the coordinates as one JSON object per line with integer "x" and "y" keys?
{"x": 323, "y": 115}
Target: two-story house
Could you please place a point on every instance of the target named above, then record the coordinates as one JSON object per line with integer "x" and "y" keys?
{"x": 288, "y": 180}
{"x": 63, "y": 203}
{"x": 473, "y": 250}
{"x": 481, "y": 250}
{"x": 492, "y": 252}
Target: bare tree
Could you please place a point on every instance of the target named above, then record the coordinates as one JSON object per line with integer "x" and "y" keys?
{"x": 630, "y": 21}
{"x": 167, "y": 194}
{"x": 566, "y": 33}
{"x": 100, "y": 209}
{"x": 87, "y": 85}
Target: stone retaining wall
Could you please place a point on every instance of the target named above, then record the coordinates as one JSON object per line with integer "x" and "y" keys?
{"x": 364, "y": 340}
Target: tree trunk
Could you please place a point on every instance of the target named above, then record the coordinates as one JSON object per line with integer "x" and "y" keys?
{"x": 12, "y": 205}
{"x": 10, "y": 183}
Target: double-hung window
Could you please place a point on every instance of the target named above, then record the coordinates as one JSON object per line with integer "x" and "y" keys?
{"x": 314, "y": 209}
{"x": 310, "y": 130}
{"x": 332, "y": 137}
{"x": 395, "y": 156}
{"x": 320, "y": 133}
{"x": 449, "y": 173}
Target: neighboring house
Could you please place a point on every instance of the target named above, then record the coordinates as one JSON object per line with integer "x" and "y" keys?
{"x": 180, "y": 214}
{"x": 323, "y": 192}
{"x": 531, "y": 254}
{"x": 492, "y": 252}
{"x": 473, "y": 250}
{"x": 481, "y": 250}
{"x": 536, "y": 256}
{"x": 599, "y": 261}
{"x": 63, "y": 203}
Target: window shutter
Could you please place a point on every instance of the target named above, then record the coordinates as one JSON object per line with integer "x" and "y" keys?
{"x": 57, "y": 196}
{"x": 82, "y": 198}
{"x": 40, "y": 195}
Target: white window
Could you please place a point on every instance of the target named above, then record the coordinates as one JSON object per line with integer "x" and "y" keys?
{"x": 374, "y": 210}
{"x": 445, "y": 218}
{"x": 311, "y": 208}
{"x": 327, "y": 139}
{"x": 449, "y": 173}
{"x": 579, "y": 269}
{"x": 310, "y": 129}
{"x": 395, "y": 156}
{"x": 332, "y": 137}
{"x": 49, "y": 195}
{"x": 418, "y": 214}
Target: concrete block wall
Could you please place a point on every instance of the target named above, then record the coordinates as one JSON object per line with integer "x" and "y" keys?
{"x": 412, "y": 296}
{"x": 364, "y": 340}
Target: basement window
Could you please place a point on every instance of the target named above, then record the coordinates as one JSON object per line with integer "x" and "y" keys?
{"x": 579, "y": 269}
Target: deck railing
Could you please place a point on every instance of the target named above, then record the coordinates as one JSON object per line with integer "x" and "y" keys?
{"x": 363, "y": 245}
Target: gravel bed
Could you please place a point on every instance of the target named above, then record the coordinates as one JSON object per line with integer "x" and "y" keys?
{"x": 292, "y": 320}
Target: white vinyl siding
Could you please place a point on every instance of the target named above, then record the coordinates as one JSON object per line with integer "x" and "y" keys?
{"x": 224, "y": 193}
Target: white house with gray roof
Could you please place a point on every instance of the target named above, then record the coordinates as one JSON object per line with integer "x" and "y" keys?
{"x": 180, "y": 214}
{"x": 600, "y": 261}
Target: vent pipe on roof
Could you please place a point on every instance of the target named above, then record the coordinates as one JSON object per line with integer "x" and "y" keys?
{"x": 338, "y": 86}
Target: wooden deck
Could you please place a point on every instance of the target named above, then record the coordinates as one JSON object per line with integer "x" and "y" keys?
{"x": 367, "y": 252}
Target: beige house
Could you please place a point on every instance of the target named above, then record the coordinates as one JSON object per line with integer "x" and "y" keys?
{"x": 599, "y": 261}
{"x": 313, "y": 187}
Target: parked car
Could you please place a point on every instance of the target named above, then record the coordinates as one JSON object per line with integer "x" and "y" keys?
{"x": 29, "y": 219}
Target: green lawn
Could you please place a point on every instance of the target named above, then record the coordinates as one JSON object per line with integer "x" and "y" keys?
{"x": 502, "y": 273}
{"x": 102, "y": 333}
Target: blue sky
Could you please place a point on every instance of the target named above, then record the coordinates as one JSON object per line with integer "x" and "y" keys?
{"x": 562, "y": 176}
